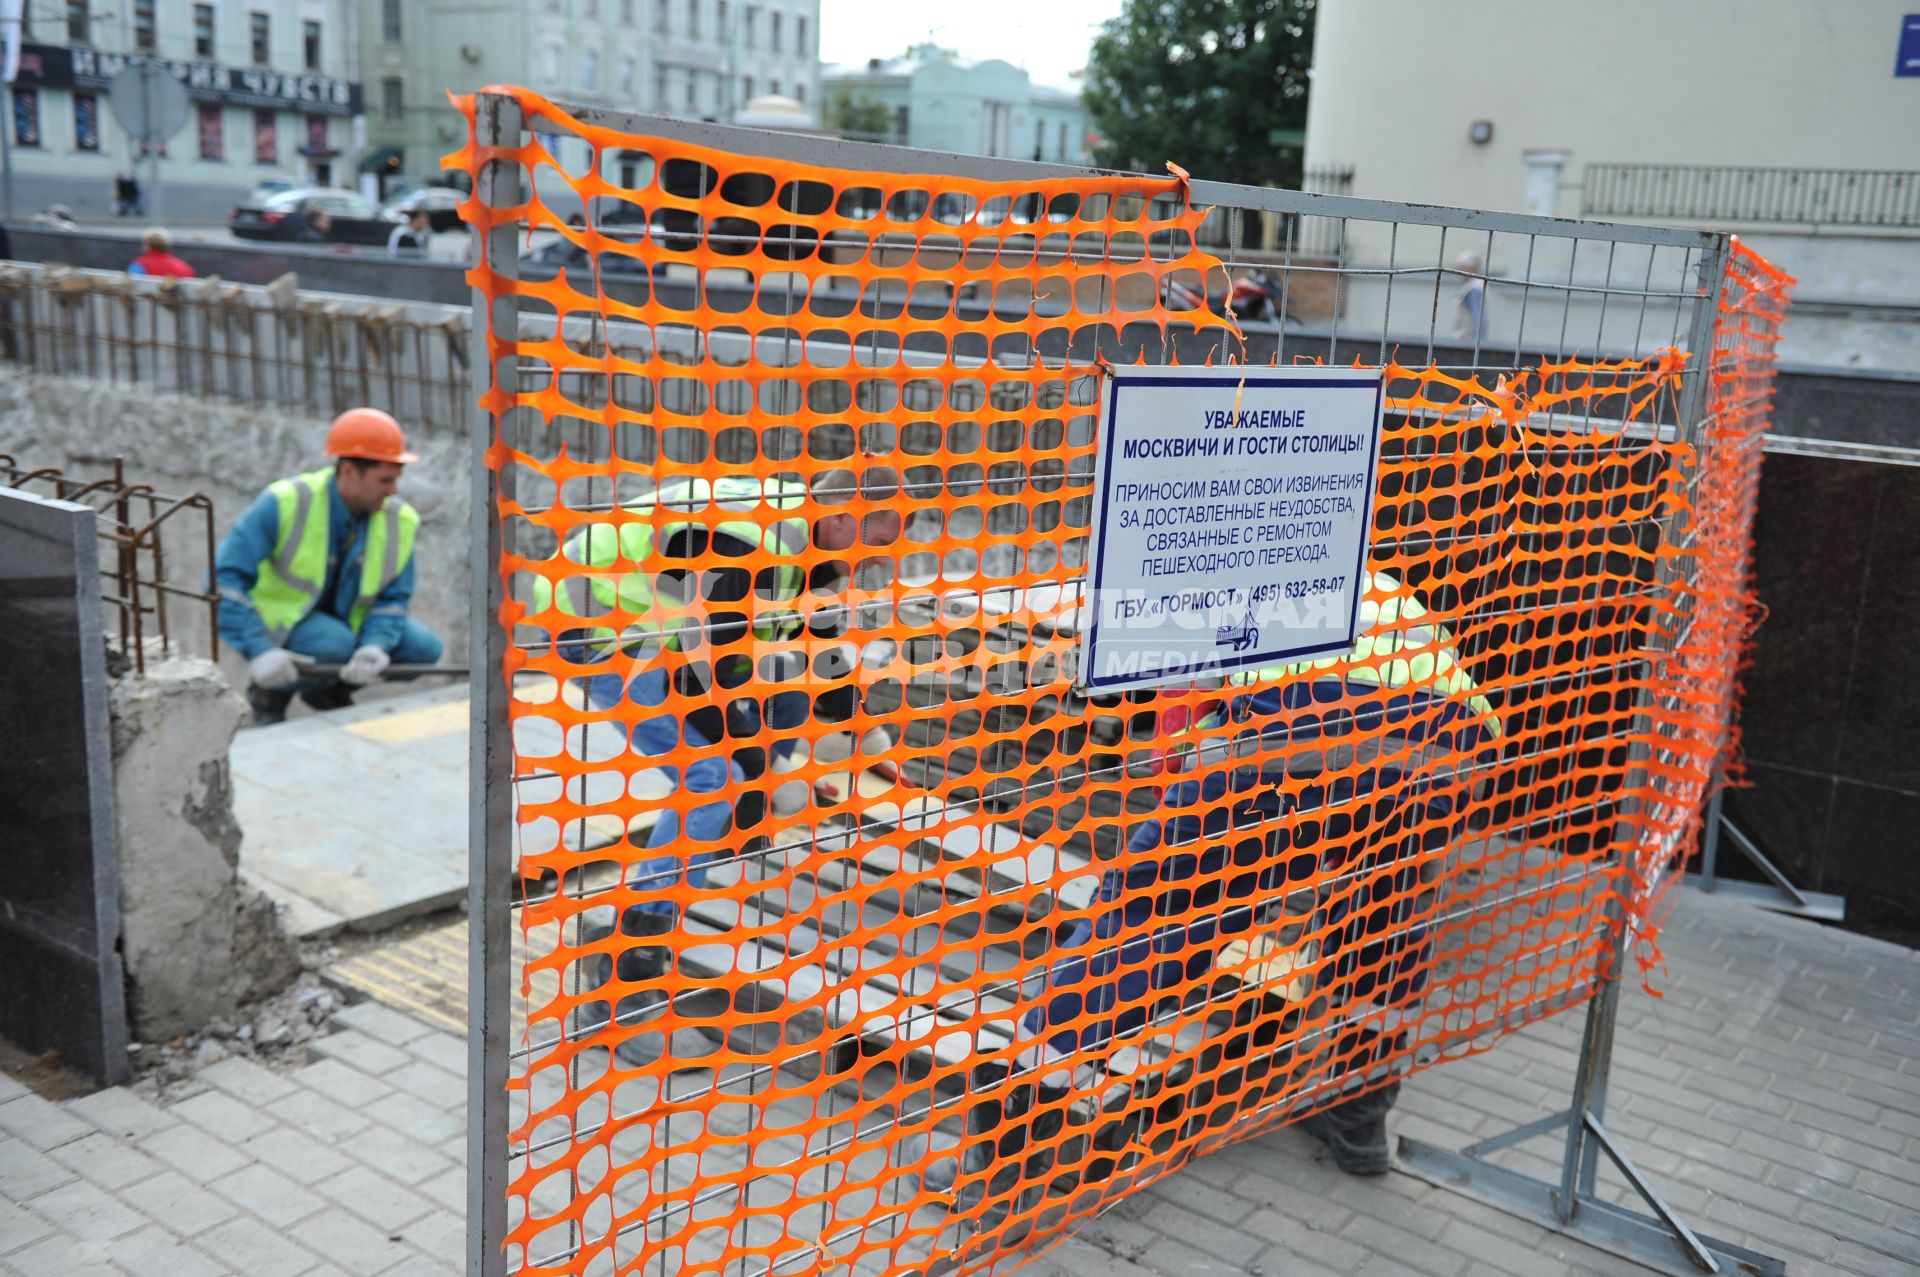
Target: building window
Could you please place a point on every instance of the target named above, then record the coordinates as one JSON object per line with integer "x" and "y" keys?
{"x": 213, "y": 133}
{"x": 626, "y": 13}
{"x": 1062, "y": 152}
{"x": 590, "y": 9}
{"x": 590, "y": 70}
{"x": 626, "y": 78}
{"x": 317, "y": 141}
{"x": 143, "y": 24}
{"x": 261, "y": 33}
{"x": 86, "y": 122}
{"x": 390, "y": 100}
{"x": 749, "y": 19}
{"x": 266, "y": 138}
{"x": 800, "y": 34}
{"x": 310, "y": 44}
{"x": 693, "y": 18}
{"x": 774, "y": 22}
{"x": 746, "y": 88}
{"x": 900, "y": 123}
{"x": 79, "y": 25}
{"x": 26, "y": 117}
{"x": 800, "y": 94}
{"x": 720, "y": 27}
{"x": 390, "y": 27}
{"x": 660, "y": 16}
{"x": 693, "y": 89}
{"x": 203, "y": 30}
{"x": 553, "y": 64}
{"x": 773, "y": 86}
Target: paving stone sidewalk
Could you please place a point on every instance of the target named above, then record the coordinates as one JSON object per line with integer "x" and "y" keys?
{"x": 1774, "y": 1093}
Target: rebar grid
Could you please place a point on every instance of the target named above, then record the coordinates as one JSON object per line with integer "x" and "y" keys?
{"x": 132, "y": 521}
{"x": 273, "y": 345}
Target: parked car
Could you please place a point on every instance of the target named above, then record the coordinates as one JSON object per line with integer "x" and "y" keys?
{"x": 271, "y": 184}
{"x": 441, "y": 202}
{"x": 355, "y": 218}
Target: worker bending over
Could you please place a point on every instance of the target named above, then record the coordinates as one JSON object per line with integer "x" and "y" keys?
{"x": 319, "y": 570}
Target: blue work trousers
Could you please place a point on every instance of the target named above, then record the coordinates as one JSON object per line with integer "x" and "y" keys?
{"x": 707, "y": 823}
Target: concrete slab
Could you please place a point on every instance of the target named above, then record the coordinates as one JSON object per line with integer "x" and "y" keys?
{"x": 357, "y": 818}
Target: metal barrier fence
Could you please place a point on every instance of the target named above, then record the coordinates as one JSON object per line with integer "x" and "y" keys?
{"x": 852, "y": 932}
{"x": 253, "y": 344}
{"x": 1725, "y": 194}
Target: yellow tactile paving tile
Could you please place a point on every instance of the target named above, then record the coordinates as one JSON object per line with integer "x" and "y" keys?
{"x": 415, "y": 724}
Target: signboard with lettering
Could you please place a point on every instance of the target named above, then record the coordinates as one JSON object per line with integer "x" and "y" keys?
{"x": 1907, "y": 60}
{"x": 1231, "y": 515}
{"x": 83, "y": 67}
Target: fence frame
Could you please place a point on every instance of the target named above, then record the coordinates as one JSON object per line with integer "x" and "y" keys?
{"x": 1662, "y": 1241}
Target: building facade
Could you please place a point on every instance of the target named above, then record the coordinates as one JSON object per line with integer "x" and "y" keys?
{"x": 701, "y": 59}
{"x": 1795, "y": 123}
{"x": 936, "y": 100}
{"x": 271, "y": 89}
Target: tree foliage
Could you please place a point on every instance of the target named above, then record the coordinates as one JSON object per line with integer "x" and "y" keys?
{"x": 858, "y": 117}
{"x": 1203, "y": 83}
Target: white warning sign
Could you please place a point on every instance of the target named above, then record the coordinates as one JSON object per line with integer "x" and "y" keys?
{"x": 1231, "y": 515}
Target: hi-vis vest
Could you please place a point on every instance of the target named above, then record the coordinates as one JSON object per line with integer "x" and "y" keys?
{"x": 1389, "y": 655}
{"x": 620, "y": 564}
{"x": 292, "y": 577}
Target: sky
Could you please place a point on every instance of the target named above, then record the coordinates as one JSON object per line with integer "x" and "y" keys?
{"x": 1050, "y": 38}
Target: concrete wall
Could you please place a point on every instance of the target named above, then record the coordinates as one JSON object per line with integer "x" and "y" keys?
{"x": 195, "y": 941}
{"x": 230, "y": 451}
{"x": 366, "y": 274}
{"x": 1794, "y": 83}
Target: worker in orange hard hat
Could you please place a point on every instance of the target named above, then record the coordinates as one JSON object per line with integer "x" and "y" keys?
{"x": 319, "y": 571}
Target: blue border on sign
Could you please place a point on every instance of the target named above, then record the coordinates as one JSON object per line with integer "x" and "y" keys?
{"x": 1252, "y": 375}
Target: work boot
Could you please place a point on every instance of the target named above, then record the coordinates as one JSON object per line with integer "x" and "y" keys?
{"x": 638, "y": 963}
{"x": 1356, "y": 1131}
{"x": 268, "y": 706}
{"x": 332, "y": 696}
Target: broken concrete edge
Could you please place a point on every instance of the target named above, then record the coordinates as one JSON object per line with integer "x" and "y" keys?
{"x": 196, "y": 942}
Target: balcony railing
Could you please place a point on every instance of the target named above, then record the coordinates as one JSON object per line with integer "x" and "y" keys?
{"x": 1734, "y": 195}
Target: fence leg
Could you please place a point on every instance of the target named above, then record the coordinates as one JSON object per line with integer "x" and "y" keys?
{"x": 1661, "y": 1241}
{"x": 1778, "y": 893}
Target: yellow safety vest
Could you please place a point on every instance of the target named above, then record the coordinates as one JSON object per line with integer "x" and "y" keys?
{"x": 618, "y": 555}
{"x": 291, "y": 578}
{"x": 1388, "y": 656}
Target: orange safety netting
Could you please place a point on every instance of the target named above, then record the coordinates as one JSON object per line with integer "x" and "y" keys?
{"x": 857, "y": 938}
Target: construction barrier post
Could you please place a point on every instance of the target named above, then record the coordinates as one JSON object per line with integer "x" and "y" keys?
{"x": 497, "y": 122}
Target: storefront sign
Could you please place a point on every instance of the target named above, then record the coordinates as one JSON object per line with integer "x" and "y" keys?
{"x": 1231, "y": 518}
{"x": 82, "y": 67}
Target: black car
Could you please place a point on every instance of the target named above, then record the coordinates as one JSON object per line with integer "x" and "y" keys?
{"x": 441, "y": 202}
{"x": 353, "y": 218}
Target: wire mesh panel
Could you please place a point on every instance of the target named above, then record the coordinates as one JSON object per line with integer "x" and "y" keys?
{"x": 855, "y": 935}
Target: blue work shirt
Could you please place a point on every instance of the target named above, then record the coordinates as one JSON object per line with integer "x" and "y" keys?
{"x": 237, "y": 567}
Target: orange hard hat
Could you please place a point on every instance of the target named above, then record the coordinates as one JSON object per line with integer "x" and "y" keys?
{"x": 369, "y": 435}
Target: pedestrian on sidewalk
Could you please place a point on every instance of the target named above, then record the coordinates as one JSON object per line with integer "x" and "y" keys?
{"x": 319, "y": 570}
{"x": 158, "y": 259}
{"x": 410, "y": 240}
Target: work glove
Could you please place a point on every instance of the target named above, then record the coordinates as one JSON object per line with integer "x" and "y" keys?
{"x": 275, "y": 667}
{"x": 367, "y": 664}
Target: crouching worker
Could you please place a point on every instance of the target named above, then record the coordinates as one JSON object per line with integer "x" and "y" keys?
{"x": 319, "y": 571}
{"x": 660, "y": 551}
{"x": 1383, "y": 743}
